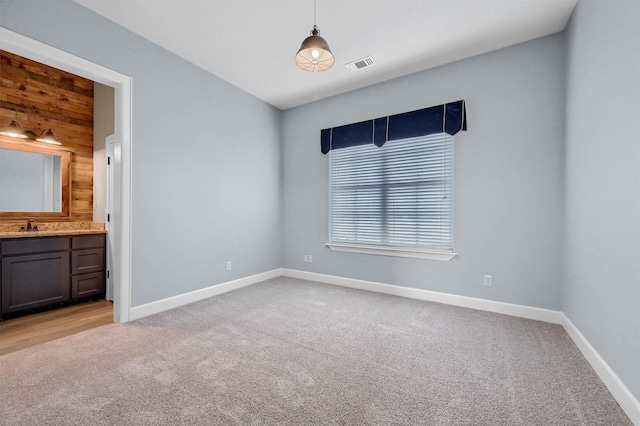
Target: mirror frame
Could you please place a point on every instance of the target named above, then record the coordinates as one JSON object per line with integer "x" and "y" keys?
{"x": 65, "y": 178}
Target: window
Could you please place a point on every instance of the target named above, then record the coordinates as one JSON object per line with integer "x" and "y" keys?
{"x": 392, "y": 182}
{"x": 396, "y": 199}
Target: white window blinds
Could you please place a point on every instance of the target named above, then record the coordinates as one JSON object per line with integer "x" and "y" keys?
{"x": 400, "y": 194}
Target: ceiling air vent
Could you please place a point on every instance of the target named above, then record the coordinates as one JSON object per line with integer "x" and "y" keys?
{"x": 361, "y": 64}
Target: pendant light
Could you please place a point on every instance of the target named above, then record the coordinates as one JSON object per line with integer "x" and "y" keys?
{"x": 14, "y": 131}
{"x": 314, "y": 54}
{"x": 47, "y": 137}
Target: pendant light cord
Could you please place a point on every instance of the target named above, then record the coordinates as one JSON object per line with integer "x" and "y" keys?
{"x": 315, "y": 11}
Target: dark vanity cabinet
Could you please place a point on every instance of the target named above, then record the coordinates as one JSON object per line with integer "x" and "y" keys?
{"x": 35, "y": 273}
{"x": 38, "y": 272}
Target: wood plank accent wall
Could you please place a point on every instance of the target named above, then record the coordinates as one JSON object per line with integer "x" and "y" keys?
{"x": 40, "y": 97}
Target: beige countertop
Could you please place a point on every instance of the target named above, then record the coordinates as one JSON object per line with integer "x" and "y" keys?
{"x": 52, "y": 233}
{"x": 51, "y": 229}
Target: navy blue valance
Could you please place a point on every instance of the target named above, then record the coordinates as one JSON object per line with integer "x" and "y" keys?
{"x": 449, "y": 118}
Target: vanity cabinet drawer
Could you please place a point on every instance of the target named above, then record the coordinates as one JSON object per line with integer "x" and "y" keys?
{"x": 34, "y": 245}
{"x": 86, "y": 261}
{"x": 87, "y": 285}
{"x": 87, "y": 241}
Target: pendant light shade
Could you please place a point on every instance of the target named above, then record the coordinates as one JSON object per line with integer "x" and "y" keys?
{"x": 314, "y": 54}
{"x": 47, "y": 137}
{"x": 14, "y": 131}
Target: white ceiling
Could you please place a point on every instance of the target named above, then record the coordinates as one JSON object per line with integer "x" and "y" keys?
{"x": 252, "y": 43}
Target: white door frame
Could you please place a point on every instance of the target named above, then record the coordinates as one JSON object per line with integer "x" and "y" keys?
{"x": 121, "y": 221}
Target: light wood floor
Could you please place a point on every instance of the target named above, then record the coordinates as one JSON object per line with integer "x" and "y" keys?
{"x": 30, "y": 330}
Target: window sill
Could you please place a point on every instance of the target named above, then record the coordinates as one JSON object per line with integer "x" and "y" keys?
{"x": 441, "y": 255}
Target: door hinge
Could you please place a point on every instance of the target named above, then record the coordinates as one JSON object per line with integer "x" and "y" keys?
{"x": 108, "y": 161}
{"x": 108, "y": 274}
{"x": 108, "y": 217}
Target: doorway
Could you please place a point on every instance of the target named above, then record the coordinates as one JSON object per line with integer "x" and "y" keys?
{"x": 120, "y": 215}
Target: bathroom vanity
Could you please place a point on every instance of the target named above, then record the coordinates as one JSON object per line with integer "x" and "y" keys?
{"x": 49, "y": 269}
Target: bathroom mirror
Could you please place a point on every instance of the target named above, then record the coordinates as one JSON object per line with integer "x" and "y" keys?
{"x": 34, "y": 181}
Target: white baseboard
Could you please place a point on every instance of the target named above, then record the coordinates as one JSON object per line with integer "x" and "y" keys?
{"x": 620, "y": 392}
{"x": 546, "y": 315}
{"x": 147, "y": 309}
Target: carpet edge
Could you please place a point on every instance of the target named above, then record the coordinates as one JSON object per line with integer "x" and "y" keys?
{"x": 162, "y": 305}
{"x": 627, "y": 401}
{"x": 522, "y": 311}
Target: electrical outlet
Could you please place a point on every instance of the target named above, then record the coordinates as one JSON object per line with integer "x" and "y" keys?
{"x": 228, "y": 265}
{"x": 310, "y": 258}
{"x": 488, "y": 280}
{"x": 306, "y": 258}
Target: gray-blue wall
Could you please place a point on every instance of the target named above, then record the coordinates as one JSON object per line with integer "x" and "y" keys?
{"x": 508, "y": 176}
{"x": 206, "y": 186}
{"x": 601, "y": 291}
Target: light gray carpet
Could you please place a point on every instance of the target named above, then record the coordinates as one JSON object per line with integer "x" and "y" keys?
{"x": 289, "y": 352}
